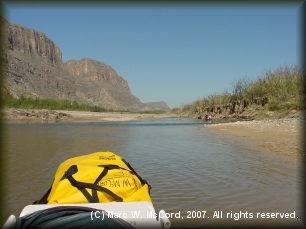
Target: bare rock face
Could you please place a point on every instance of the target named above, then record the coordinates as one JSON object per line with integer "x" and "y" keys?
{"x": 93, "y": 70}
{"x": 99, "y": 84}
{"x": 33, "y": 44}
{"x": 33, "y": 77}
{"x": 34, "y": 67}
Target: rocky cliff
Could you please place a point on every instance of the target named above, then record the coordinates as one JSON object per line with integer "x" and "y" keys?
{"x": 31, "y": 43}
{"x": 99, "y": 84}
{"x": 93, "y": 70}
{"x": 34, "y": 67}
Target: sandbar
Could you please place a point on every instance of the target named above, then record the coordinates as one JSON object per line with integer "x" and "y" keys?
{"x": 280, "y": 137}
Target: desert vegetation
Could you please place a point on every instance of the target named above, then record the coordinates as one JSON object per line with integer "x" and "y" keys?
{"x": 53, "y": 104}
{"x": 278, "y": 90}
{"x": 50, "y": 104}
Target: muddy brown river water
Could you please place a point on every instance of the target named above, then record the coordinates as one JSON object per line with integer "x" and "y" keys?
{"x": 194, "y": 174}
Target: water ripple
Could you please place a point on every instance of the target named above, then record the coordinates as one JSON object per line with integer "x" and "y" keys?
{"x": 187, "y": 168}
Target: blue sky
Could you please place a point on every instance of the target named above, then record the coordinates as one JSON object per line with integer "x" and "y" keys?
{"x": 176, "y": 53}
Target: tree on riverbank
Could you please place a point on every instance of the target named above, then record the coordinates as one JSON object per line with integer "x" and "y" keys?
{"x": 279, "y": 90}
{"x": 50, "y": 104}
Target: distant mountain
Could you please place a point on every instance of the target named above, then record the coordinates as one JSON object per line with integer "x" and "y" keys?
{"x": 34, "y": 67}
{"x": 158, "y": 105}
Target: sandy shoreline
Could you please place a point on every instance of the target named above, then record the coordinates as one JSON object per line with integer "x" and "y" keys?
{"x": 108, "y": 116}
{"x": 279, "y": 137}
{"x": 28, "y": 115}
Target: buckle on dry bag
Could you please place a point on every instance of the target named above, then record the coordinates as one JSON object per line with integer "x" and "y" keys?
{"x": 72, "y": 170}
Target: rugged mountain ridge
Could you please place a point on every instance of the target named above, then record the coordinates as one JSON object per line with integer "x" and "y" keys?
{"x": 34, "y": 67}
{"x": 94, "y": 70}
{"x": 99, "y": 84}
{"x": 158, "y": 105}
{"x": 32, "y": 43}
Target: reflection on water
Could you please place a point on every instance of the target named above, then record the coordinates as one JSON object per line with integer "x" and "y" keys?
{"x": 188, "y": 168}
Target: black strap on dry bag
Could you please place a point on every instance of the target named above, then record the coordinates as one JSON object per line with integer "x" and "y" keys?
{"x": 95, "y": 187}
{"x": 44, "y": 199}
{"x": 143, "y": 181}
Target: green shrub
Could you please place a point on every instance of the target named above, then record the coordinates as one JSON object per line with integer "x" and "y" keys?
{"x": 51, "y": 104}
{"x": 273, "y": 106}
{"x": 284, "y": 87}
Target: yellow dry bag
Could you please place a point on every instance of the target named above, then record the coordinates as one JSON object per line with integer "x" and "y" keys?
{"x": 96, "y": 178}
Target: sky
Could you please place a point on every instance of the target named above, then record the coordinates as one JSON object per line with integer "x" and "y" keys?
{"x": 176, "y": 53}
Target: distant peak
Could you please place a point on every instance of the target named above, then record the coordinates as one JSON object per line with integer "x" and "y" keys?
{"x": 158, "y": 105}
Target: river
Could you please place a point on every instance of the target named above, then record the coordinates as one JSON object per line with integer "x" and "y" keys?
{"x": 191, "y": 171}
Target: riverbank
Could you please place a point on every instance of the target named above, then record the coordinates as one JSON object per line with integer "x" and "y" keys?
{"x": 108, "y": 116}
{"x": 34, "y": 115}
{"x": 279, "y": 137}
{"x": 282, "y": 137}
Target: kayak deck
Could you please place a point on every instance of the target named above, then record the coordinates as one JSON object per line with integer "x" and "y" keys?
{"x": 138, "y": 214}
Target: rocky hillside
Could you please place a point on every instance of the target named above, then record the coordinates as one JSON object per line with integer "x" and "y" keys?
{"x": 158, "y": 105}
{"x": 31, "y": 43}
{"x": 34, "y": 67}
{"x": 100, "y": 84}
